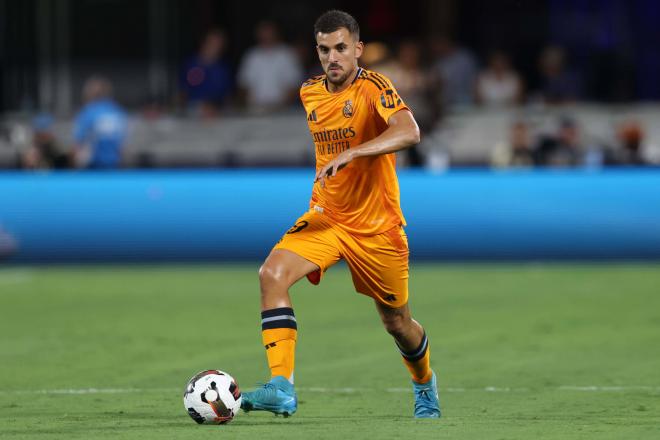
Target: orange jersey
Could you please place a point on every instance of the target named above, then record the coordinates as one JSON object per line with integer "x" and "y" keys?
{"x": 363, "y": 197}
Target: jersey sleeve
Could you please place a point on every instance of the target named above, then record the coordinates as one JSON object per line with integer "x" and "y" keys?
{"x": 303, "y": 97}
{"x": 307, "y": 87}
{"x": 383, "y": 97}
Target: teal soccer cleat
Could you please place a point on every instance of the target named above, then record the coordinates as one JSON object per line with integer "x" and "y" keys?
{"x": 427, "y": 404}
{"x": 276, "y": 396}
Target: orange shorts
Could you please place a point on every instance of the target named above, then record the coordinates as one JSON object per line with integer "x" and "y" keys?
{"x": 378, "y": 263}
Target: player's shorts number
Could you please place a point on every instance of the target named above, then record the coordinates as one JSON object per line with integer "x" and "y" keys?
{"x": 298, "y": 227}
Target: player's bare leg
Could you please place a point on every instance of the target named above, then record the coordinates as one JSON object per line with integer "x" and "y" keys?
{"x": 280, "y": 271}
{"x": 279, "y": 330}
{"x": 398, "y": 322}
{"x": 413, "y": 345}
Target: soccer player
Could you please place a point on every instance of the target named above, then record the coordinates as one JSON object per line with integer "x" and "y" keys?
{"x": 357, "y": 122}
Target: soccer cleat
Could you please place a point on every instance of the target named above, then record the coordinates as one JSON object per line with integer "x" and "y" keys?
{"x": 276, "y": 396}
{"x": 427, "y": 404}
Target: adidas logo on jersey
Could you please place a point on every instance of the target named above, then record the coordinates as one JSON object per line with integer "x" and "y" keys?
{"x": 312, "y": 116}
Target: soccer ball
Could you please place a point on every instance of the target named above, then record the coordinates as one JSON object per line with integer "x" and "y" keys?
{"x": 212, "y": 396}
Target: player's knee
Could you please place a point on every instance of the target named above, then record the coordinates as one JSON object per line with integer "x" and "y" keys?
{"x": 272, "y": 275}
{"x": 266, "y": 275}
{"x": 396, "y": 325}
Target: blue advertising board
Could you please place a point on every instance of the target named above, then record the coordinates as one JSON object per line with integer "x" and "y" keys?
{"x": 236, "y": 215}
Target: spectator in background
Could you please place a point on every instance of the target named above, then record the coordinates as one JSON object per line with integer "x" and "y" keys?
{"x": 630, "y": 136}
{"x": 374, "y": 55}
{"x": 412, "y": 82}
{"x": 499, "y": 85}
{"x": 270, "y": 73}
{"x": 45, "y": 152}
{"x": 558, "y": 84}
{"x": 518, "y": 151}
{"x": 99, "y": 128}
{"x": 206, "y": 78}
{"x": 306, "y": 54}
{"x": 455, "y": 71}
{"x": 567, "y": 148}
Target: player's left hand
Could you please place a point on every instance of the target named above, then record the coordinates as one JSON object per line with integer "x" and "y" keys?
{"x": 330, "y": 169}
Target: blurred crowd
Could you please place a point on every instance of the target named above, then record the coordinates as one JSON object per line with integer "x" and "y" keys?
{"x": 566, "y": 146}
{"x": 436, "y": 78}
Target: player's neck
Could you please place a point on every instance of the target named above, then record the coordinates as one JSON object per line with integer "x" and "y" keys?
{"x": 334, "y": 88}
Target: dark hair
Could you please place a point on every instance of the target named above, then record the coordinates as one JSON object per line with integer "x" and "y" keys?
{"x": 334, "y": 20}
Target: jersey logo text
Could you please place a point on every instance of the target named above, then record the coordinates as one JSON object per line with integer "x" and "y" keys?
{"x": 389, "y": 99}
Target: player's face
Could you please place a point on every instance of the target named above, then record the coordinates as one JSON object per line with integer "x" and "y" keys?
{"x": 339, "y": 52}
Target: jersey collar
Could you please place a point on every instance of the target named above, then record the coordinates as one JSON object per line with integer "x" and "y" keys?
{"x": 357, "y": 75}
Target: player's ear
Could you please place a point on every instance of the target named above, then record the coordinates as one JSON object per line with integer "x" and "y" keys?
{"x": 359, "y": 47}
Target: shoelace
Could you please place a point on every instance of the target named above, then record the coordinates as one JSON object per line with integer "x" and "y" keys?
{"x": 425, "y": 401}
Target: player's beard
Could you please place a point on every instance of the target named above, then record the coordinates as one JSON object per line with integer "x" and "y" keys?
{"x": 338, "y": 81}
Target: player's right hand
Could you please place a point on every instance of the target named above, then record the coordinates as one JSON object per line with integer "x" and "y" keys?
{"x": 330, "y": 169}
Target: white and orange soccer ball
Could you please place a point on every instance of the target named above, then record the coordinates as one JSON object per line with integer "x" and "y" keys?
{"x": 212, "y": 396}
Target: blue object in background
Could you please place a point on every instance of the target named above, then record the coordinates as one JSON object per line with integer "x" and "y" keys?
{"x": 102, "y": 125}
{"x": 206, "y": 82}
{"x": 43, "y": 123}
{"x": 240, "y": 214}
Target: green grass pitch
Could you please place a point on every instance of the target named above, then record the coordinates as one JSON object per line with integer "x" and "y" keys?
{"x": 521, "y": 352}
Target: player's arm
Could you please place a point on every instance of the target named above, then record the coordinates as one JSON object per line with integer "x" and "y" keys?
{"x": 402, "y": 133}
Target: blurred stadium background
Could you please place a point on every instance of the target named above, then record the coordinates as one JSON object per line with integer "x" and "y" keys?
{"x": 561, "y": 95}
{"x": 509, "y": 83}
{"x": 170, "y": 131}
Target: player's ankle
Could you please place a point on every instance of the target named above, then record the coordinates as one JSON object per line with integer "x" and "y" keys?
{"x": 426, "y": 378}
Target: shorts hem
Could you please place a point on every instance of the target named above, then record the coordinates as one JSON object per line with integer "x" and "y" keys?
{"x": 382, "y": 300}
{"x": 311, "y": 260}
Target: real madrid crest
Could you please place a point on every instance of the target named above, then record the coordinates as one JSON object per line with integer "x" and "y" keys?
{"x": 348, "y": 109}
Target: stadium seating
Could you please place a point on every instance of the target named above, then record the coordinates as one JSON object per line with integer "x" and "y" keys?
{"x": 467, "y": 137}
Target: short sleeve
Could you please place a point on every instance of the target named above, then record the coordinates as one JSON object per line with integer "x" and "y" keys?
{"x": 384, "y": 98}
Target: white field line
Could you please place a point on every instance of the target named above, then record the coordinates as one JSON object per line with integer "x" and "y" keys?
{"x": 489, "y": 389}
{"x": 90, "y": 391}
{"x": 609, "y": 388}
